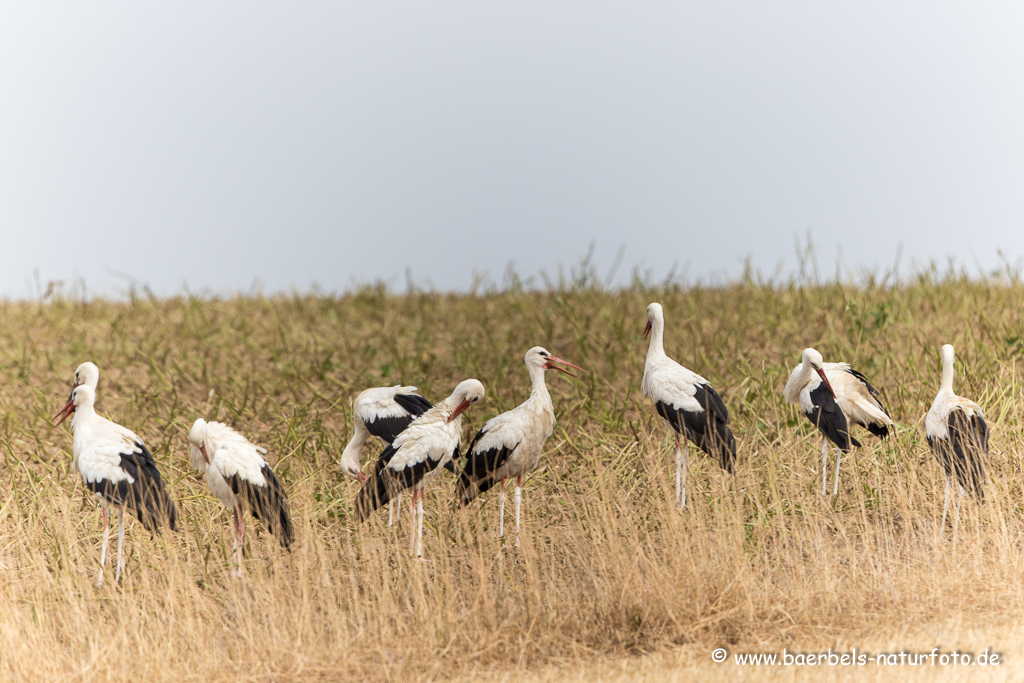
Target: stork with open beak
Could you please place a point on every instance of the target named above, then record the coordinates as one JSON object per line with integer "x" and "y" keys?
{"x": 416, "y": 456}
{"x": 510, "y": 444}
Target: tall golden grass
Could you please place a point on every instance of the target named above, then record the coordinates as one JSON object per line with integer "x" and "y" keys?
{"x": 608, "y": 568}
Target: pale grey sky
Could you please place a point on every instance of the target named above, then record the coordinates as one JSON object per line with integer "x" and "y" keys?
{"x": 215, "y": 144}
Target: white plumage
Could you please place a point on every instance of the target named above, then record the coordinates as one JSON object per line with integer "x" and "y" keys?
{"x": 417, "y": 454}
{"x": 687, "y": 402}
{"x": 376, "y": 412}
{"x": 833, "y": 395}
{"x": 382, "y": 412}
{"x": 88, "y": 374}
{"x": 510, "y": 444}
{"x": 240, "y": 478}
{"x": 958, "y": 437}
{"x": 115, "y": 465}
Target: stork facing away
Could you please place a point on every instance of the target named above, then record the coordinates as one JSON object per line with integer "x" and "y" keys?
{"x": 241, "y": 479}
{"x": 382, "y": 412}
{"x": 416, "y": 456}
{"x": 510, "y": 444}
{"x": 687, "y": 402}
{"x": 832, "y": 396}
{"x": 958, "y": 438}
{"x": 116, "y": 465}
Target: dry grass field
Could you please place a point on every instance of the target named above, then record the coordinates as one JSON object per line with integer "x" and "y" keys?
{"x": 611, "y": 581}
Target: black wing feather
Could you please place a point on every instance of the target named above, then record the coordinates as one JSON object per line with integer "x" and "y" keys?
{"x": 375, "y": 491}
{"x": 827, "y": 417}
{"x": 413, "y": 403}
{"x": 384, "y": 483}
{"x": 481, "y": 465}
{"x": 450, "y": 465}
{"x": 388, "y": 428}
{"x": 709, "y": 428}
{"x": 962, "y": 453}
{"x": 146, "y": 497}
{"x": 880, "y": 431}
{"x": 267, "y": 503}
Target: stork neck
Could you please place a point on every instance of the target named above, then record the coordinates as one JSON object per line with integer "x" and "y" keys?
{"x": 360, "y": 435}
{"x": 657, "y": 346}
{"x": 83, "y": 415}
{"x": 947, "y": 375}
{"x": 540, "y": 387}
{"x": 808, "y": 375}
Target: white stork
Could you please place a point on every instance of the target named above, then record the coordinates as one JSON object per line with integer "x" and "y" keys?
{"x": 837, "y": 396}
{"x": 116, "y": 465}
{"x": 510, "y": 444}
{"x": 89, "y": 374}
{"x": 416, "y": 456}
{"x": 687, "y": 402}
{"x": 240, "y": 478}
{"x": 958, "y": 437}
{"x": 382, "y": 412}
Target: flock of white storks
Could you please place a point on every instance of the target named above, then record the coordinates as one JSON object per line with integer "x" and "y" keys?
{"x": 421, "y": 439}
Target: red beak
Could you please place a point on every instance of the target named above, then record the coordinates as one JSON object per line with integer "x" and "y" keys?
{"x": 361, "y": 477}
{"x": 647, "y": 330}
{"x": 68, "y": 408}
{"x": 550, "y": 365}
{"x": 821, "y": 373}
{"x": 459, "y": 410}
{"x": 202, "y": 449}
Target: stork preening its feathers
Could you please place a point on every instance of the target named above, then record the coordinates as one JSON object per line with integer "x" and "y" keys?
{"x": 382, "y": 412}
{"x": 416, "y": 455}
{"x": 115, "y": 465}
{"x": 832, "y": 396}
{"x": 688, "y": 402}
{"x": 958, "y": 437}
{"x": 241, "y": 479}
{"x": 510, "y": 444}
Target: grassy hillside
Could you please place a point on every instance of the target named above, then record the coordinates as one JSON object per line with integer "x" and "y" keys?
{"x": 607, "y": 570}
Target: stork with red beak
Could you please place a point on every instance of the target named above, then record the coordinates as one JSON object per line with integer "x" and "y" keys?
{"x": 382, "y": 412}
{"x": 687, "y": 402}
{"x": 115, "y": 465}
{"x": 416, "y": 456}
{"x": 88, "y": 374}
{"x": 241, "y": 479}
{"x": 509, "y": 445}
{"x": 832, "y": 395}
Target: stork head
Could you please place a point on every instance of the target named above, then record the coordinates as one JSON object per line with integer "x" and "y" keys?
{"x": 197, "y": 444}
{"x": 947, "y": 354}
{"x": 88, "y": 374}
{"x": 467, "y": 393}
{"x": 350, "y": 466}
{"x": 82, "y": 396}
{"x": 538, "y": 357}
{"x": 655, "y": 315}
{"x": 815, "y": 362}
